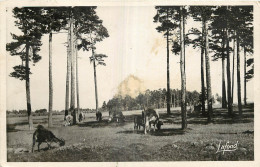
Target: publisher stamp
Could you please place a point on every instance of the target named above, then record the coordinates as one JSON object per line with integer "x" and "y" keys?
{"x": 227, "y": 147}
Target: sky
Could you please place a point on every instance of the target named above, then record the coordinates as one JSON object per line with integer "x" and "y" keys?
{"x": 134, "y": 49}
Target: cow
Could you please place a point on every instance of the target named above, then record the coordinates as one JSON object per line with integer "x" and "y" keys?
{"x": 80, "y": 117}
{"x": 138, "y": 122}
{"x": 99, "y": 116}
{"x": 194, "y": 108}
{"x": 117, "y": 116}
{"x": 159, "y": 124}
{"x": 43, "y": 135}
{"x": 68, "y": 120}
{"x": 150, "y": 116}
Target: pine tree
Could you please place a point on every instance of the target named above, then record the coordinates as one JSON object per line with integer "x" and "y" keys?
{"x": 53, "y": 20}
{"x": 204, "y": 14}
{"x": 67, "y": 97}
{"x": 89, "y": 30}
{"x": 242, "y": 25}
{"x": 183, "y": 74}
{"x": 167, "y": 25}
{"x": 221, "y": 23}
{"x": 218, "y": 27}
{"x": 199, "y": 42}
{"x": 28, "y": 21}
{"x": 246, "y": 34}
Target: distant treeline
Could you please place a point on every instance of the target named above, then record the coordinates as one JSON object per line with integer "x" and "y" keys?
{"x": 150, "y": 98}
{"x": 44, "y": 112}
{"x": 153, "y": 99}
{"x": 36, "y": 112}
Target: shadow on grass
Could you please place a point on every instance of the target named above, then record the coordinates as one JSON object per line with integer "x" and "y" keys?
{"x": 103, "y": 123}
{"x": 11, "y": 128}
{"x": 131, "y": 132}
{"x": 232, "y": 121}
{"x": 162, "y": 132}
{"x": 35, "y": 121}
{"x": 18, "y": 123}
{"x": 168, "y": 132}
{"x": 200, "y": 121}
{"x": 220, "y": 116}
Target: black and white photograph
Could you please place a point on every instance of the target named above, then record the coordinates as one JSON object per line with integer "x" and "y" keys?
{"x": 123, "y": 82}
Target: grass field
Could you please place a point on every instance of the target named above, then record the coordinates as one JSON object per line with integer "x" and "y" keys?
{"x": 93, "y": 141}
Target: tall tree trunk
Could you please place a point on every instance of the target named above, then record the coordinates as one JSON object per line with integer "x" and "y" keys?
{"x": 245, "y": 103}
{"x": 160, "y": 102}
{"x": 238, "y": 78}
{"x": 77, "y": 82}
{"x": 147, "y": 100}
{"x": 67, "y": 99}
{"x": 184, "y": 44}
{"x": 95, "y": 80}
{"x": 183, "y": 75}
{"x": 233, "y": 68}
{"x": 165, "y": 102}
{"x": 73, "y": 63}
{"x": 174, "y": 100}
{"x": 27, "y": 86}
{"x": 224, "y": 98}
{"x": 230, "y": 109}
{"x": 70, "y": 109}
{"x": 50, "y": 82}
{"x": 208, "y": 77}
{"x": 171, "y": 101}
{"x": 168, "y": 73}
{"x": 202, "y": 79}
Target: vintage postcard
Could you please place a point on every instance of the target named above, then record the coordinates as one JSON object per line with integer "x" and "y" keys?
{"x": 123, "y": 83}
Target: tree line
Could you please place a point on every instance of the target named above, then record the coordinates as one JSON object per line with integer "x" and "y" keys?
{"x": 39, "y": 112}
{"x": 151, "y": 98}
{"x": 84, "y": 29}
{"x": 220, "y": 27}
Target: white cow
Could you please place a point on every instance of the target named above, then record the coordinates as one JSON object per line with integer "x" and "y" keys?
{"x": 150, "y": 116}
{"x": 68, "y": 120}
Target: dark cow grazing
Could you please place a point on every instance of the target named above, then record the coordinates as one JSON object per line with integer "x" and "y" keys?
{"x": 159, "y": 124}
{"x": 138, "y": 122}
{"x": 66, "y": 113}
{"x": 117, "y": 116}
{"x": 150, "y": 116}
{"x": 43, "y": 135}
{"x": 99, "y": 116}
{"x": 80, "y": 117}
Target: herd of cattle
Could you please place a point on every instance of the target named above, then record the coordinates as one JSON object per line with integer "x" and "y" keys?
{"x": 148, "y": 118}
